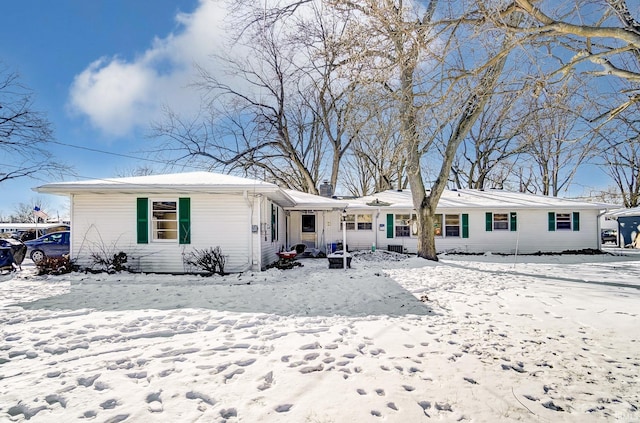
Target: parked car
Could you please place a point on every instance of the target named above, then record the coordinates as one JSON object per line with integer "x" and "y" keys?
{"x": 12, "y": 253}
{"x": 609, "y": 235}
{"x": 55, "y": 244}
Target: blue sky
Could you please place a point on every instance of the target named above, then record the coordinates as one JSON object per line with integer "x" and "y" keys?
{"x": 103, "y": 69}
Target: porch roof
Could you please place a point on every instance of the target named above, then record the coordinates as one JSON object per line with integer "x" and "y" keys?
{"x": 305, "y": 201}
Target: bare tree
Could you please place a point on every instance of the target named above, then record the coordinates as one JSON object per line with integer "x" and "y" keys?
{"x": 557, "y": 138}
{"x": 24, "y": 132}
{"x": 24, "y": 212}
{"x": 620, "y": 154}
{"x": 422, "y": 76}
{"x": 377, "y": 161}
{"x": 283, "y": 113}
{"x": 600, "y": 38}
{"x": 140, "y": 170}
{"x": 487, "y": 157}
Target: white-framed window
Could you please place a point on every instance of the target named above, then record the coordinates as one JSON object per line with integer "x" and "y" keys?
{"x": 564, "y": 221}
{"x": 501, "y": 221}
{"x": 452, "y": 225}
{"x": 359, "y": 222}
{"x": 350, "y": 222}
{"x": 164, "y": 220}
{"x": 402, "y": 225}
{"x": 364, "y": 222}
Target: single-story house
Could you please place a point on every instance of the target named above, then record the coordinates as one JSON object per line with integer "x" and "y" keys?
{"x": 628, "y": 221}
{"x": 158, "y": 219}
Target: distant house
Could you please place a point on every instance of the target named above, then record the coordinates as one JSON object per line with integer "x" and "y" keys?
{"x": 158, "y": 219}
{"x": 628, "y": 222}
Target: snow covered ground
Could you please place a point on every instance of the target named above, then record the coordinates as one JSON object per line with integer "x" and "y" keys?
{"x": 471, "y": 338}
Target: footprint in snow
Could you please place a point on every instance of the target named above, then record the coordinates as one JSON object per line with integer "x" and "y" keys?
{"x": 268, "y": 381}
{"x": 227, "y": 413}
{"x": 154, "y": 402}
{"x": 109, "y": 404}
{"x": 283, "y": 408}
{"x": 25, "y": 410}
{"x": 87, "y": 381}
{"x": 197, "y": 395}
{"x": 53, "y": 398}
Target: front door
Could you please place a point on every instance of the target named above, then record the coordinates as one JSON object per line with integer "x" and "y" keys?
{"x": 309, "y": 230}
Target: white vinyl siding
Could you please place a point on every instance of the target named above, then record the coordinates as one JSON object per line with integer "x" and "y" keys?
{"x": 107, "y": 222}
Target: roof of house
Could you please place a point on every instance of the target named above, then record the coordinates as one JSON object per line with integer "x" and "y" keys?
{"x": 479, "y": 199}
{"x": 188, "y": 182}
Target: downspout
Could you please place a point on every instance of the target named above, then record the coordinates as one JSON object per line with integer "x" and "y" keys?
{"x": 249, "y": 265}
{"x": 376, "y": 228}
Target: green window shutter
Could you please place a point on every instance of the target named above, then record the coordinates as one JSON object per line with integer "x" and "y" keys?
{"x": 513, "y": 219}
{"x": 143, "y": 220}
{"x": 184, "y": 224}
{"x": 576, "y": 221}
{"x": 489, "y": 221}
{"x": 465, "y": 225}
{"x": 552, "y": 221}
{"x": 273, "y": 222}
{"x": 389, "y": 225}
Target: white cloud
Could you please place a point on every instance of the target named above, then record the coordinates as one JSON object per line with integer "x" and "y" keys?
{"x": 117, "y": 96}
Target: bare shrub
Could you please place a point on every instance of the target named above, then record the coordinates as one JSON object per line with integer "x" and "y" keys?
{"x": 210, "y": 260}
{"x": 110, "y": 263}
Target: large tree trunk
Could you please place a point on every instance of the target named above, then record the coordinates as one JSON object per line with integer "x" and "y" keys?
{"x": 425, "y": 205}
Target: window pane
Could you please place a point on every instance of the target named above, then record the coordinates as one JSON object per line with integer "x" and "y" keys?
{"x": 452, "y": 225}
{"x": 164, "y": 220}
{"x": 402, "y": 225}
{"x": 308, "y": 223}
{"x": 365, "y": 222}
{"x": 563, "y": 220}
{"x": 350, "y": 221}
{"x": 501, "y": 221}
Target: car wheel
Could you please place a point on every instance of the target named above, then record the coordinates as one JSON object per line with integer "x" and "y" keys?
{"x": 37, "y": 256}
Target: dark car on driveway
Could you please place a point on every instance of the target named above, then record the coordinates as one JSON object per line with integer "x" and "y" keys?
{"x": 609, "y": 235}
{"x": 55, "y": 244}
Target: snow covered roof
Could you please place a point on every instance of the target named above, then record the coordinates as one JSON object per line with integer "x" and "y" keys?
{"x": 471, "y": 198}
{"x": 310, "y": 201}
{"x": 174, "y": 182}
